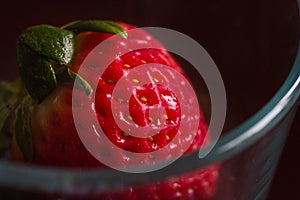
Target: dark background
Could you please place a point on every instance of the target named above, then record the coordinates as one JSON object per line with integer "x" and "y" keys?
{"x": 16, "y": 16}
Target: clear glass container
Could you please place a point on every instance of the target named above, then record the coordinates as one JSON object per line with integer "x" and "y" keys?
{"x": 255, "y": 46}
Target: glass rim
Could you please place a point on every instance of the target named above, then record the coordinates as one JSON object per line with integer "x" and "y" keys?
{"x": 235, "y": 140}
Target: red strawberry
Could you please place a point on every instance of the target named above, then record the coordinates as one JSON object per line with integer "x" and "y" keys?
{"x": 54, "y": 135}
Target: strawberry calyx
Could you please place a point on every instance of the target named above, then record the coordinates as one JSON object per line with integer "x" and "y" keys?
{"x": 44, "y": 51}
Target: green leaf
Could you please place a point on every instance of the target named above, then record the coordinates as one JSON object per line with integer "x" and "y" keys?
{"x": 96, "y": 26}
{"x": 23, "y": 132}
{"x": 80, "y": 82}
{"x": 66, "y": 75}
{"x": 9, "y": 93}
{"x": 37, "y": 73}
{"x": 50, "y": 42}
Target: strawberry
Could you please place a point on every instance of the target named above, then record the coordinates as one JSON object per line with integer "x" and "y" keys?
{"x": 54, "y": 137}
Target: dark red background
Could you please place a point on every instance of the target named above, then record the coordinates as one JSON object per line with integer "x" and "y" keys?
{"x": 16, "y": 16}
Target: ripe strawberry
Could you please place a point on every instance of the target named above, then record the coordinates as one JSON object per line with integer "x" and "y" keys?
{"x": 55, "y": 140}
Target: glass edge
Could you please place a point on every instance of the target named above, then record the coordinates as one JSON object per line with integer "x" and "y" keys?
{"x": 235, "y": 140}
